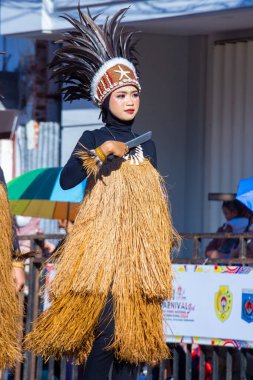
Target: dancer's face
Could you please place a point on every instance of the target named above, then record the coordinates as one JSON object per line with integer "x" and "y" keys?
{"x": 124, "y": 103}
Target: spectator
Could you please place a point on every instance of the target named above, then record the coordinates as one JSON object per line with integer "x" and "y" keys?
{"x": 249, "y": 244}
{"x": 30, "y": 226}
{"x": 249, "y": 249}
{"x": 237, "y": 221}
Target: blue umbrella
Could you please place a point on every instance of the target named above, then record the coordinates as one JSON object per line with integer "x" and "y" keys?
{"x": 245, "y": 192}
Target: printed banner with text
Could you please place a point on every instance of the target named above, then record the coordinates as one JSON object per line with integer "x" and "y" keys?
{"x": 210, "y": 305}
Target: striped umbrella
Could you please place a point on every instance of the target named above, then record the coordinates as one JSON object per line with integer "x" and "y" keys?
{"x": 38, "y": 193}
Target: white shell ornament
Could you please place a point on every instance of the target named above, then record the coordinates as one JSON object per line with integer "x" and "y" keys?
{"x": 137, "y": 157}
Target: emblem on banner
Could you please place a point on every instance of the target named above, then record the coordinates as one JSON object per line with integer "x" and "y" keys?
{"x": 223, "y": 303}
{"x": 247, "y": 305}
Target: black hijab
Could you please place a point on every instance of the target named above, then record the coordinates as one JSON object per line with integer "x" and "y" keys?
{"x": 112, "y": 121}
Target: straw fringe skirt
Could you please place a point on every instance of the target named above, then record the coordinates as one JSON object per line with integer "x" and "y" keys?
{"x": 120, "y": 244}
{"x": 10, "y": 306}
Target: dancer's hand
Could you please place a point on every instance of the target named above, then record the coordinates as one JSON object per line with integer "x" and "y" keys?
{"x": 117, "y": 148}
{"x": 18, "y": 275}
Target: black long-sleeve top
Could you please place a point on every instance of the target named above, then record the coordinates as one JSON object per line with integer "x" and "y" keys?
{"x": 15, "y": 244}
{"x": 74, "y": 173}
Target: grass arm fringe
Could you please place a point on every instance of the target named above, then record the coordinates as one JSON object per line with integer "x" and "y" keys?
{"x": 10, "y": 303}
{"x": 89, "y": 159}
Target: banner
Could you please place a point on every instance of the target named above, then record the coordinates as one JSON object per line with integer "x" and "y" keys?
{"x": 210, "y": 305}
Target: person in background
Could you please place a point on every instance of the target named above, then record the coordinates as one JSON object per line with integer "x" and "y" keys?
{"x": 31, "y": 226}
{"x": 237, "y": 221}
{"x": 249, "y": 243}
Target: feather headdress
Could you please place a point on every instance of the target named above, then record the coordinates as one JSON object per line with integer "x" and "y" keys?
{"x": 95, "y": 60}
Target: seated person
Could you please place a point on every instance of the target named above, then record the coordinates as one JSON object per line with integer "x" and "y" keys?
{"x": 249, "y": 249}
{"x": 249, "y": 244}
{"x": 237, "y": 221}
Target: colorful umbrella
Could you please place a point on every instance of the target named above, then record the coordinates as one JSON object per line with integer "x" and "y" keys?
{"x": 245, "y": 192}
{"x": 38, "y": 193}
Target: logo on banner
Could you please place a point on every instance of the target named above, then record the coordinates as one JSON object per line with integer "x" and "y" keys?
{"x": 223, "y": 303}
{"x": 247, "y": 305}
{"x": 179, "y": 307}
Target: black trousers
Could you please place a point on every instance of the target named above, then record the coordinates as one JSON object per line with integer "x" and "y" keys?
{"x": 100, "y": 360}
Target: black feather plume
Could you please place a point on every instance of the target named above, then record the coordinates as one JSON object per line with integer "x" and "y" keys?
{"x": 86, "y": 48}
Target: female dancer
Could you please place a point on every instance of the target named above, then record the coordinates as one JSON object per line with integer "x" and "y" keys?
{"x": 114, "y": 270}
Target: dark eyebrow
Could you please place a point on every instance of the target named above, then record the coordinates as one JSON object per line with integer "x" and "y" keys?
{"x": 125, "y": 92}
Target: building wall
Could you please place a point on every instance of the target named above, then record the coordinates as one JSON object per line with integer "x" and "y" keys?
{"x": 195, "y": 194}
{"x": 76, "y": 117}
{"x": 173, "y": 75}
{"x": 164, "y": 63}
{"x": 229, "y": 132}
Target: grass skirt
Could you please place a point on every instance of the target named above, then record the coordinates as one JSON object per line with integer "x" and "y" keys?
{"x": 10, "y": 306}
{"x": 120, "y": 243}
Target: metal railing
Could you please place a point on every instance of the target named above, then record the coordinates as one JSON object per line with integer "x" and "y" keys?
{"x": 197, "y": 255}
{"x": 226, "y": 363}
